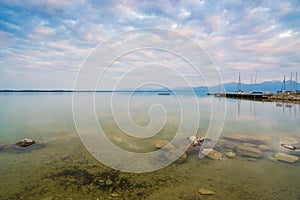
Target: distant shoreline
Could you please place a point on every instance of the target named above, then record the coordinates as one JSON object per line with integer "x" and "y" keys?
{"x": 71, "y": 91}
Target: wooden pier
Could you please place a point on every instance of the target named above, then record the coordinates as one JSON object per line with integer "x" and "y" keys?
{"x": 242, "y": 95}
{"x": 294, "y": 98}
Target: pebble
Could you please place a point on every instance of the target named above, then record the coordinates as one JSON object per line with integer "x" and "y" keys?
{"x": 161, "y": 143}
{"x": 115, "y": 195}
{"x": 250, "y": 145}
{"x": 108, "y": 182}
{"x": 230, "y": 154}
{"x": 263, "y": 147}
{"x": 249, "y": 151}
{"x": 212, "y": 154}
{"x": 286, "y": 157}
{"x": 47, "y": 162}
{"x": 204, "y": 191}
{"x": 248, "y": 138}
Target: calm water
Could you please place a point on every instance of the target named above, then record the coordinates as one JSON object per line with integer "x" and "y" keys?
{"x": 64, "y": 169}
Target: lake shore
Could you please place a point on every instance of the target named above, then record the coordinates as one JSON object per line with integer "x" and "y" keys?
{"x": 289, "y": 98}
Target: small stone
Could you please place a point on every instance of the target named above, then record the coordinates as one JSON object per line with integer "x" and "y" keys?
{"x": 25, "y": 142}
{"x": 289, "y": 147}
{"x": 212, "y": 154}
{"x": 252, "y": 159}
{"x": 163, "y": 144}
{"x": 47, "y": 162}
{"x": 108, "y": 182}
{"x": 115, "y": 195}
{"x": 229, "y": 145}
{"x": 1, "y": 145}
{"x": 204, "y": 191}
{"x": 230, "y": 154}
{"x": 195, "y": 140}
{"x": 250, "y": 145}
{"x": 263, "y": 147}
{"x": 249, "y": 151}
{"x": 286, "y": 157}
{"x": 256, "y": 139}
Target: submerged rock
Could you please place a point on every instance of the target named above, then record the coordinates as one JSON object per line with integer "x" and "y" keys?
{"x": 263, "y": 147}
{"x": 1, "y": 146}
{"x": 289, "y": 147}
{"x": 190, "y": 145}
{"x": 176, "y": 155}
{"x": 212, "y": 154}
{"x": 229, "y": 145}
{"x": 256, "y": 139}
{"x": 230, "y": 154}
{"x": 250, "y": 145}
{"x": 249, "y": 151}
{"x": 25, "y": 142}
{"x": 195, "y": 140}
{"x": 286, "y": 157}
{"x": 114, "y": 195}
{"x": 161, "y": 143}
{"x": 204, "y": 191}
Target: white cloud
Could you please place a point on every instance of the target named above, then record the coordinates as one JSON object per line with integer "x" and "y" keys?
{"x": 58, "y": 35}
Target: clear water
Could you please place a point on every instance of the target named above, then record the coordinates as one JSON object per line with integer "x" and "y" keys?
{"x": 64, "y": 169}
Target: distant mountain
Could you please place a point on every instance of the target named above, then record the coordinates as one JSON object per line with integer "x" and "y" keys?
{"x": 271, "y": 86}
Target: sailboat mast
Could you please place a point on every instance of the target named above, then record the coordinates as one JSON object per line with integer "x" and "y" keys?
{"x": 255, "y": 80}
{"x": 296, "y": 86}
{"x": 239, "y": 89}
{"x": 283, "y": 84}
{"x": 291, "y": 80}
{"x": 251, "y": 84}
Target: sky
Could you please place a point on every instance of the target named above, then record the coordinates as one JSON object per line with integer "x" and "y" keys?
{"x": 43, "y": 44}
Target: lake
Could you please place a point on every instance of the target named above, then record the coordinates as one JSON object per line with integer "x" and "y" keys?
{"x": 66, "y": 164}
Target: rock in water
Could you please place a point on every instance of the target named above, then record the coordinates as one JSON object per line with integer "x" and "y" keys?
{"x": 229, "y": 145}
{"x": 1, "y": 146}
{"x": 230, "y": 154}
{"x": 249, "y": 151}
{"x": 176, "y": 155}
{"x": 263, "y": 147}
{"x": 248, "y": 138}
{"x": 286, "y": 157}
{"x": 161, "y": 143}
{"x": 212, "y": 154}
{"x": 289, "y": 147}
{"x": 204, "y": 191}
{"x": 25, "y": 142}
{"x": 250, "y": 145}
{"x": 195, "y": 140}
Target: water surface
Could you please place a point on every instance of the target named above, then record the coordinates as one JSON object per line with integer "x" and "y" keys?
{"x": 64, "y": 169}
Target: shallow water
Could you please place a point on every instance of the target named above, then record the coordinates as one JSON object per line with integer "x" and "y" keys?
{"x": 64, "y": 169}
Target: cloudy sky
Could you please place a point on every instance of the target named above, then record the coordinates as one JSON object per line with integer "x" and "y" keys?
{"x": 44, "y": 43}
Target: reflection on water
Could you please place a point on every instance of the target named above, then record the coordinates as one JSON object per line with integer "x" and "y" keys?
{"x": 64, "y": 169}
